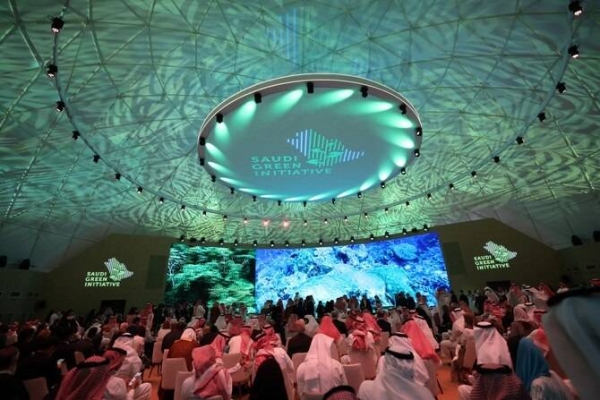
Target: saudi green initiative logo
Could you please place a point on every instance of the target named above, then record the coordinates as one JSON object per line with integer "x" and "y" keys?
{"x": 498, "y": 257}
{"x": 318, "y": 155}
{"x": 117, "y": 271}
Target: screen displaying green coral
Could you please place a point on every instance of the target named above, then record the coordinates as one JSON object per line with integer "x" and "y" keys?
{"x": 214, "y": 274}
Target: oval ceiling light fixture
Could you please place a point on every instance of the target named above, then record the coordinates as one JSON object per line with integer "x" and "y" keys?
{"x": 310, "y": 137}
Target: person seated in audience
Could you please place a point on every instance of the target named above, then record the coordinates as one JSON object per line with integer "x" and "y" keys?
{"x": 269, "y": 382}
{"x": 210, "y": 378}
{"x": 210, "y": 332}
{"x": 300, "y": 343}
{"x": 382, "y": 321}
{"x": 372, "y": 325}
{"x": 402, "y": 341}
{"x": 11, "y": 388}
{"x": 40, "y": 363}
{"x": 359, "y": 338}
{"x": 534, "y": 372}
{"x": 183, "y": 347}
{"x": 448, "y": 346}
{"x": 342, "y": 392}
{"x": 171, "y": 337}
{"x": 328, "y": 328}
{"x": 265, "y": 349}
{"x": 167, "y": 326}
{"x": 220, "y": 345}
{"x": 340, "y": 325}
{"x": 132, "y": 363}
{"x": 319, "y": 372}
{"x": 312, "y": 326}
{"x": 118, "y": 388}
{"x": 422, "y": 324}
{"x": 271, "y": 335}
{"x": 494, "y": 378}
{"x": 424, "y": 349}
{"x": 522, "y": 325}
{"x": 395, "y": 379}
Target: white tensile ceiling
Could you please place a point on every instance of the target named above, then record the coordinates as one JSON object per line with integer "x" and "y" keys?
{"x": 138, "y": 77}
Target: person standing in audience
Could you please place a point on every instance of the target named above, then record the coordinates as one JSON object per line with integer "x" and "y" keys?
{"x": 11, "y": 388}
{"x": 300, "y": 343}
{"x": 319, "y": 372}
{"x": 199, "y": 309}
{"x": 210, "y": 378}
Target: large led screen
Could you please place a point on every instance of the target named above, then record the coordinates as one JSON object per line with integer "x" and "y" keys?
{"x": 210, "y": 273}
{"x": 383, "y": 268}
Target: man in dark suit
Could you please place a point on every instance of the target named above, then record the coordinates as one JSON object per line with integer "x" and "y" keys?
{"x": 339, "y": 324}
{"x": 11, "y": 388}
{"x": 40, "y": 363}
{"x": 301, "y": 342}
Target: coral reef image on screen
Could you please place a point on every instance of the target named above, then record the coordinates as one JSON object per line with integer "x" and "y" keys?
{"x": 210, "y": 273}
{"x": 384, "y": 268}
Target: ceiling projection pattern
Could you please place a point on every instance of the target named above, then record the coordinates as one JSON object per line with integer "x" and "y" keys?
{"x": 138, "y": 78}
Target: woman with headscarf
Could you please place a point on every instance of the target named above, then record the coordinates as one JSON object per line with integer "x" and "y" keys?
{"x": 264, "y": 350}
{"x": 87, "y": 380}
{"x": 312, "y": 326}
{"x": 210, "y": 378}
{"x": 539, "y": 381}
{"x": 183, "y": 347}
{"x": 494, "y": 378}
{"x": 319, "y": 372}
{"x": 395, "y": 379}
{"x": 119, "y": 388}
{"x": 424, "y": 349}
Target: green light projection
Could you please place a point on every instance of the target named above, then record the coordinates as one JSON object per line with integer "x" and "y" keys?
{"x": 298, "y": 146}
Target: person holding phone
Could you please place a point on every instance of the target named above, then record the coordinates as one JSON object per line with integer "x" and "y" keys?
{"x": 120, "y": 389}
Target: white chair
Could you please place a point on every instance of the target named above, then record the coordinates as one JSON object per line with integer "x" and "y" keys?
{"x": 230, "y": 360}
{"x": 240, "y": 377}
{"x": 367, "y": 359}
{"x": 37, "y": 388}
{"x": 181, "y": 376}
{"x": 157, "y": 357}
{"x": 297, "y": 359}
{"x": 171, "y": 366}
{"x": 354, "y": 375}
{"x": 79, "y": 357}
{"x": 164, "y": 357}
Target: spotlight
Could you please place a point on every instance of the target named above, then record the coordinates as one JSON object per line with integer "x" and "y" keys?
{"x": 304, "y": 203}
{"x": 576, "y": 8}
{"x": 118, "y": 176}
{"x": 366, "y": 215}
{"x": 325, "y": 221}
{"x": 542, "y": 116}
{"x": 219, "y": 118}
{"x": 496, "y": 159}
{"x": 561, "y": 87}
{"x": 408, "y": 204}
{"x": 181, "y": 238}
{"x": 372, "y": 237}
{"x": 224, "y": 218}
{"x": 286, "y": 223}
{"x": 140, "y": 189}
{"x": 425, "y": 227}
{"x": 387, "y": 234}
{"x": 386, "y": 210}
{"x": 310, "y": 87}
{"x": 419, "y": 131}
{"x": 382, "y": 185}
{"x": 60, "y": 106}
{"x": 429, "y": 196}
{"x": 253, "y": 198}
{"x": 75, "y": 135}
{"x": 204, "y": 213}
{"x": 404, "y": 231}
{"x": 303, "y": 243}
{"x": 351, "y": 239}
{"x": 202, "y": 162}
{"x": 257, "y": 97}
{"x": 182, "y": 207}
{"x": 221, "y": 242}
{"x": 403, "y": 171}
{"x": 235, "y": 242}
{"x": 161, "y": 200}
{"x": 245, "y": 220}
{"x": 359, "y": 195}
{"x": 287, "y": 243}
{"x": 520, "y": 140}
{"x": 96, "y": 158}
{"x": 451, "y": 186}
{"x": 473, "y": 174}
{"x": 202, "y": 141}
{"x": 305, "y": 222}
{"x": 254, "y": 243}
{"x": 336, "y": 240}
{"x": 213, "y": 178}
{"x": 573, "y": 51}
{"x": 320, "y": 242}
{"x": 364, "y": 91}
{"x": 279, "y": 203}
{"x": 345, "y": 218}
{"x": 402, "y": 108}
{"x": 232, "y": 190}
{"x": 57, "y": 24}
{"x": 265, "y": 222}
{"x": 52, "y": 70}
{"x": 333, "y": 201}
{"x": 202, "y": 240}
{"x": 417, "y": 153}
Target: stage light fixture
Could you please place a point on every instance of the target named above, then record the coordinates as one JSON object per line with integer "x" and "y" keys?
{"x": 407, "y": 204}
{"x": 232, "y": 190}
{"x": 254, "y": 243}
{"x": 429, "y": 196}
{"x": 221, "y": 242}
{"x": 213, "y": 178}
{"x": 574, "y": 51}
{"x": 473, "y": 174}
{"x": 402, "y": 108}
{"x": 202, "y": 240}
{"x": 372, "y": 237}
{"x": 345, "y": 218}
{"x": 404, "y": 231}
{"x": 382, "y": 184}
{"x": 181, "y": 238}
{"x": 161, "y": 200}
{"x": 425, "y": 227}
{"x": 224, "y": 218}
{"x": 286, "y": 223}
{"x": 202, "y": 162}
{"x": 364, "y": 91}
{"x": 57, "y": 24}
{"x": 419, "y": 131}
{"x": 60, "y": 106}
{"x": 496, "y": 159}
{"x": 542, "y": 116}
{"x": 118, "y": 176}
{"x": 253, "y": 198}
{"x": 366, "y": 215}
{"x": 387, "y": 234}
{"x": 310, "y": 87}
{"x": 351, "y": 239}
{"x": 235, "y": 242}
{"x": 287, "y": 243}
{"x": 359, "y": 195}
{"x": 304, "y": 204}
{"x": 96, "y": 158}
{"x": 520, "y": 140}
{"x": 325, "y": 221}
{"x": 336, "y": 240}
{"x": 303, "y": 243}
{"x": 333, "y": 201}
{"x": 576, "y": 8}
{"x": 52, "y": 70}
{"x": 202, "y": 141}
{"x": 183, "y": 207}
{"x": 279, "y": 203}
{"x": 140, "y": 189}
{"x": 305, "y": 222}
{"x": 386, "y": 210}
{"x": 245, "y": 220}
{"x": 403, "y": 171}
{"x": 75, "y": 135}
{"x": 265, "y": 222}
{"x": 257, "y": 97}
{"x": 417, "y": 153}
{"x": 451, "y": 186}
{"x": 219, "y": 118}
{"x": 561, "y": 87}
{"x": 204, "y": 213}
{"x": 320, "y": 242}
